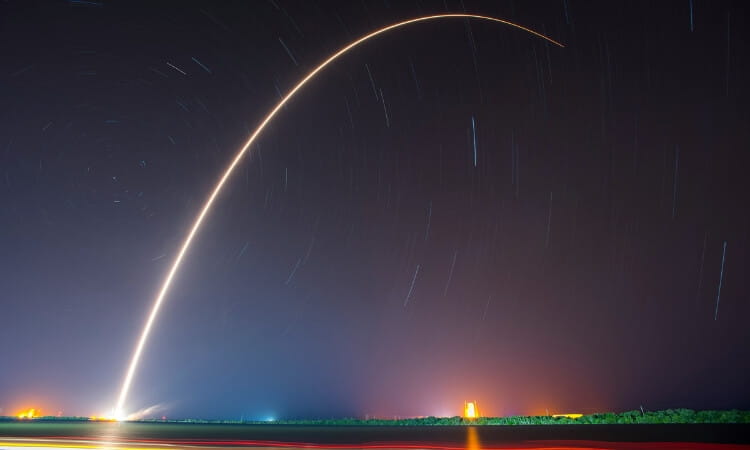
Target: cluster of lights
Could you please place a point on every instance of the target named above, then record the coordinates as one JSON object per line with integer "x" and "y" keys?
{"x": 471, "y": 411}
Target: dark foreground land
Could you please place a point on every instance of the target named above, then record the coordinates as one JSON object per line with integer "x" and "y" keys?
{"x": 134, "y": 435}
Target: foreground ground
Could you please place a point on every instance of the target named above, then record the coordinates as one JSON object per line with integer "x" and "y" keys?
{"x": 150, "y": 436}
{"x": 131, "y": 436}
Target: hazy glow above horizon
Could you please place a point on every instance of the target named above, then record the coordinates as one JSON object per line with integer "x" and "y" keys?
{"x": 456, "y": 212}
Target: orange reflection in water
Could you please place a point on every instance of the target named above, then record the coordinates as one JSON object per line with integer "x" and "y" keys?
{"x": 472, "y": 439}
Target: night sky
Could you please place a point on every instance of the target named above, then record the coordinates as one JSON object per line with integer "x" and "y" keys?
{"x": 455, "y": 211}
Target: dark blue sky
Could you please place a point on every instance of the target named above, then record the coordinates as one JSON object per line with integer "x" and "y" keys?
{"x": 369, "y": 258}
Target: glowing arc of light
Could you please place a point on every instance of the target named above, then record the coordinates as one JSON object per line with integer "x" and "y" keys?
{"x": 118, "y": 411}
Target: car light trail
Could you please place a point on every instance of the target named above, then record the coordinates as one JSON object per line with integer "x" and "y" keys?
{"x": 156, "y": 444}
{"x": 119, "y": 408}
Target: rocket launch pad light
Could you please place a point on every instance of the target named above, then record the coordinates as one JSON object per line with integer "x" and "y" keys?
{"x": 470, "y": 410}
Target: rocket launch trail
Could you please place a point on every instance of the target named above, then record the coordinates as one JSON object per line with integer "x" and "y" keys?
{"x": 119, "y": 412}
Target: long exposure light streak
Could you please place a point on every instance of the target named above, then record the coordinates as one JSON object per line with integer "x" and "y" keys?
{"x": 118, "y": 411}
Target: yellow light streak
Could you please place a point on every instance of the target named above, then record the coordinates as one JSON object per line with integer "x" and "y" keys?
{"x": 119, "y": 413}
{"x": 58, "y": 445}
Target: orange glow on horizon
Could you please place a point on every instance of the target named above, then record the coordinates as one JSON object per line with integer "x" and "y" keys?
{"x": 29, "y": 414}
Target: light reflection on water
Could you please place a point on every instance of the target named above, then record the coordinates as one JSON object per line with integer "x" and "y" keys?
{"x": 113, "y": 437}
{"x": 472, "y": 439}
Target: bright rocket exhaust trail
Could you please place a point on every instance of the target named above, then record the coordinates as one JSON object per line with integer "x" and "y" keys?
{"x": 118, "y": 411}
